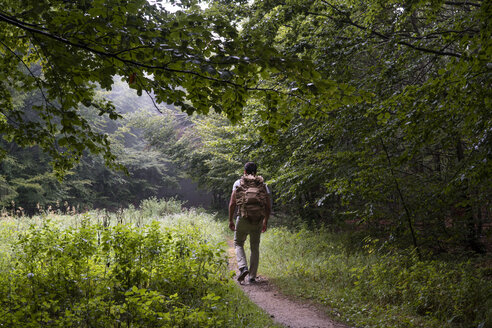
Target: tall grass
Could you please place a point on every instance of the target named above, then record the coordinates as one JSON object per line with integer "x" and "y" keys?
{"x": 371, "y": 288}
{"x": 154, "y": 266}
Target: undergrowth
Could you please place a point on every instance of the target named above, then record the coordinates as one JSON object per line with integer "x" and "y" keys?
{"x": 156, "y": 266}
{"x": 371, "y": 288}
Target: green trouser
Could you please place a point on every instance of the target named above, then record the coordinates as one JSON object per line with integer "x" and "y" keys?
{"x": 243, "y": 229}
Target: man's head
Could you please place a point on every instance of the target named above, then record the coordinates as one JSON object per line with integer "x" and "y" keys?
{"x": 250, "y": 168}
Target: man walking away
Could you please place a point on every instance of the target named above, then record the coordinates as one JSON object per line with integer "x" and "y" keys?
{"x": 250, "y": 196}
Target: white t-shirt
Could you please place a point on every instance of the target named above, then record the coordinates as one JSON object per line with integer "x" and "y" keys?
{"x": 238, "y": 183}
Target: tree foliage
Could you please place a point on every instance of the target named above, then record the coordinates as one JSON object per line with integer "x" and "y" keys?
{"x": 410, "y": 157}
{"x": 29, "y": 185}
{"x": 369, "y": 112}
{"x": 65, "y": 49}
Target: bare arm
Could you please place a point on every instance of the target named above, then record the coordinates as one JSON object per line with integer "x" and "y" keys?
{"x": 232, "y": 210}
{"x": 268, "y": 210}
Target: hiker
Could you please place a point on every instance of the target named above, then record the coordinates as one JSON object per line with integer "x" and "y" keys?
{"x": 251, "y": 197}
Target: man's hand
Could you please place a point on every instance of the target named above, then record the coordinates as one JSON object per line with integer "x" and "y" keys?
{"x": 264, "y": 228}
{"x": 232, "y": 210}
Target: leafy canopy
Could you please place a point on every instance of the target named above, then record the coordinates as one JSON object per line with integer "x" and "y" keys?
{"x": 411, "y": 154}
{"x": 192, "y": 59}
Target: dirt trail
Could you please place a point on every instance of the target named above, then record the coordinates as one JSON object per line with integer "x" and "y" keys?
{"x": 292, "y": 314}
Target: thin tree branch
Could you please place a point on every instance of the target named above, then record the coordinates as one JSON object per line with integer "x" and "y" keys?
{"x": 150, "y": 96}
{"x": 132, "y": 49}
{"x": 462, "y": 3}
{"x": 30, "y": 73}
{"x": 349, "y": 21}
{"x": 3, "y": 13}
{"x": 402, "y": 199}
{"x": 46, "y": 54}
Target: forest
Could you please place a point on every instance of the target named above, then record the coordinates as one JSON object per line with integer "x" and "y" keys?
{"x": 370, "y": 121}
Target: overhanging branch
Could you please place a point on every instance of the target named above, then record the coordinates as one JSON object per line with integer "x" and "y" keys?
{"x": 462, "y": 3}
{"x": 24, "y": 26}
{"x": 385, "y": 37}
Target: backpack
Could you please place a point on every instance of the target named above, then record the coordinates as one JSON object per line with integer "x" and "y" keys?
{"x": 251, "y": 198}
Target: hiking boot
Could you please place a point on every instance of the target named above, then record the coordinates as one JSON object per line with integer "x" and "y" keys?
{"x": 243, "y": 272}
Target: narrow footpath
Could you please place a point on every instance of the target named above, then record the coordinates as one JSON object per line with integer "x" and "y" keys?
{"x": 285, "y": 311}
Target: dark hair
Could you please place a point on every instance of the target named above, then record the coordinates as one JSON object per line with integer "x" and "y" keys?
{"x": 250, "y": 168}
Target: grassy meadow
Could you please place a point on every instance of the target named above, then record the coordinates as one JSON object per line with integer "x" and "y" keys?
{"x": 156, "y": 266}
{"x": 160, "y": 265}
{"x": 370, "y": 286}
